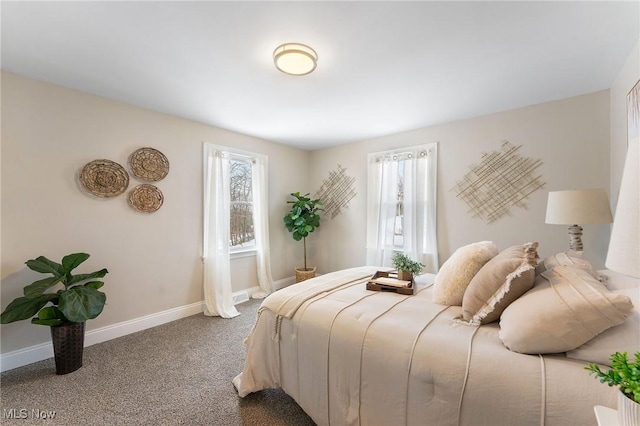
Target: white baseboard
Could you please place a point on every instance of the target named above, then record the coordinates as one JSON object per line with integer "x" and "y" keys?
{"x": 21, "y": 357}
{"x": 25, "y": 356}
{"x": 284, "y": 283}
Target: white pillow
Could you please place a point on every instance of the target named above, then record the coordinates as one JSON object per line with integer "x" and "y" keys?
{"x": 456, "y": 273}
{"x": 567, "y": 311}
{"x": 621, "y": 338}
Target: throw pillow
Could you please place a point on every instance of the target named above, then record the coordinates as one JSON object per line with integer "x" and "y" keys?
{"x": 567, "y": 258}
{"x": 562, "y": 314}
{"x": 621, "y": 338}
{"x": 456, "y": 273}
{"x": 498, "y": 283}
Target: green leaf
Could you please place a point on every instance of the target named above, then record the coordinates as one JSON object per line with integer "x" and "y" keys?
{"x": 51, "y": 316}
{"x": 82, "y": 277}
{"x": 46, "y": 266}
{"x": 308, "y": 228}
{"x": 50, "y": 322}
{"x": 50, "y": 312}
{"x": 72, "y": 261}
{"x": 25, "y": 307}
{"x": 81, "y": 303}
{"x": 37, "y": 288}
{"x": 299, "y": 221}
{"x": 94, "y": 284}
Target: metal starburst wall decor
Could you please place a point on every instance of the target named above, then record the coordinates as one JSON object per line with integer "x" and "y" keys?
{"x": 502, "y": 180}
{"x": 336, "y": 191}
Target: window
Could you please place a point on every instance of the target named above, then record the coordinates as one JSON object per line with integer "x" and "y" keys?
{"x": 401, "y": 205}
{"x": 236, "y": 223}
{"x": 242, "y": 233}
{"x": 398, "y": 229}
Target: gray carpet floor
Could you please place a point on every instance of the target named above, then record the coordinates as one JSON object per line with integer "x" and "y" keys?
{"x": 175, "y": 374}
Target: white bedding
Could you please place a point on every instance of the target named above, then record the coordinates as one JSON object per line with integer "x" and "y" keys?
{"x": 350, "y": 356}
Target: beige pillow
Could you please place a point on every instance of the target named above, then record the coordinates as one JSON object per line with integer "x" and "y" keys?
{"x": 498, "y": 283}
{"x": 567, "y": 258}
{"x": 562, "y": 314}
{"x": 456, "y": 273}
{"x": 621, "y": 338}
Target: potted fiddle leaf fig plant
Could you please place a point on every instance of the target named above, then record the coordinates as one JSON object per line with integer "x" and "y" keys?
{"x": 66, "y": 310}
{"x": 406, "y": 267}
{"x": 302, "y": 220}
{"x": 625, "y": 374}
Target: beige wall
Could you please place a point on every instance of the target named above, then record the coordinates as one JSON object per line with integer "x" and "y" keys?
{"x": 570, "y": 136}
{"x": 154, "y": 260}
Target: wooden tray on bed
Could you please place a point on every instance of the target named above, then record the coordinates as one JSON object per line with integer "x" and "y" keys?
{"x": 388, "y": 281}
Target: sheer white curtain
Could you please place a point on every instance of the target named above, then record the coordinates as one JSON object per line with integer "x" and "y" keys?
{"x": 259, "y": 174}
{"x": 382, "y": 191}
{"x": 218, "y": 295}
{"x": 419, "y": 237}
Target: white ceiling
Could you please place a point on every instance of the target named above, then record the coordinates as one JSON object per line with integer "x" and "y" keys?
{"x": 384, "y": 67}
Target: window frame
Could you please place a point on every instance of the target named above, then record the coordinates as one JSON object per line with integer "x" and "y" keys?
{"x": 419, "y": 227}
{"x": 236, "y": 252}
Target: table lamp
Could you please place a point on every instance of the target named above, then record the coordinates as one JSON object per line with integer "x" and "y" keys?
{"x": 578, "y": 207}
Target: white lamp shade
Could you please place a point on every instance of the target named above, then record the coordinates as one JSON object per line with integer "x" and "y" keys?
{"x": 578, "y": 207}
{"x": 624, "y": 247}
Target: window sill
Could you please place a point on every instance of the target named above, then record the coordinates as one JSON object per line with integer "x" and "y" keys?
{"x": 242, "y": 253}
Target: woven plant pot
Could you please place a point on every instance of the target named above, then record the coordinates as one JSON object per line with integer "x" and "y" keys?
{"x": 305, "y": 274}
{"x": 68, "y": 345}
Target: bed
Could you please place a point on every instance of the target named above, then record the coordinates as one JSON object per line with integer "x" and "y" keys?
{"x": 351, "y": 356}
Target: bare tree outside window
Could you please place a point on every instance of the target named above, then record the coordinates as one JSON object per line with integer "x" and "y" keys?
{"x": 242, "y": 232}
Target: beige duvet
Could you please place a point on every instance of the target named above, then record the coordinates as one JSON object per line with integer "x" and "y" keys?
{"x": 350, "y": 356}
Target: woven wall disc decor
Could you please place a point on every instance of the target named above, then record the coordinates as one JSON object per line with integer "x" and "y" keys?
{"x": 104, "y": 178}
{"x": 146, "y": 198}
{"x": 149, "y": 164}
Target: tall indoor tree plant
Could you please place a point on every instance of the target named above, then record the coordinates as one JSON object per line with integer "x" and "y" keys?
{"x": 302, "y": 220}
{"x": 66, "y": 310}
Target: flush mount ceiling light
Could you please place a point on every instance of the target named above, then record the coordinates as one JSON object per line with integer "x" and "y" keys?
{"x": 295, "y": 58}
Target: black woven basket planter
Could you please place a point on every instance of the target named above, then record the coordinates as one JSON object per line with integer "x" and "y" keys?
{"x": 68, "y": 345}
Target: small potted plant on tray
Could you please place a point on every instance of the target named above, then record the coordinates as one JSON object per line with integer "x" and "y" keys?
{"x": 624, "y": 374}
{"x": 73, "y": 304}
{"x": 406, "y": 267}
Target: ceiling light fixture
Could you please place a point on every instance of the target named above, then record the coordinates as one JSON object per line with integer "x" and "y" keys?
{"x": 295, "y": 58}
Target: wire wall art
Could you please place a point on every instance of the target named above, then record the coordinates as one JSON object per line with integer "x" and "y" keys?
{"x": 503, "y": 179}
{"x": 336, "y": 191}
